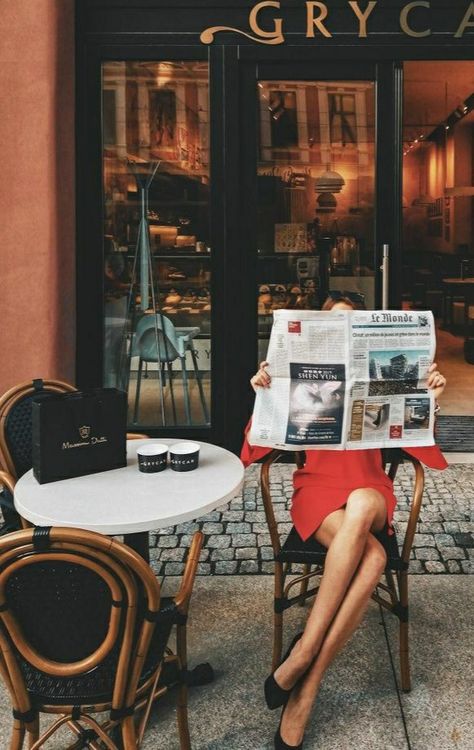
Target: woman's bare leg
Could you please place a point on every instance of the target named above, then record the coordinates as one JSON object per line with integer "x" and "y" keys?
{"x": 347, "y": 619}
{"x": 345, "y": 533}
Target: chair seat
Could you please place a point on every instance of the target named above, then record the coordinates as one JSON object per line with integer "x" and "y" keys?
{"x": 96, "y": 686}
{"x": 311, "y": 552}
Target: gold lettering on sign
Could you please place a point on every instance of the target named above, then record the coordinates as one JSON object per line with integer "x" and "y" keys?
{"x": 312, "y": 22}
{"x": 363, "y": 15}
{"x": 316, "y": 15}
{"x": 276, "y": 35}
{"x": 467, "y": 21}
{"x": 405, "y": 12}
{"x": 264, "y": 37}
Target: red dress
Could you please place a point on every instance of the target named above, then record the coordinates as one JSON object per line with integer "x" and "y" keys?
{"x": 328, "y": 477}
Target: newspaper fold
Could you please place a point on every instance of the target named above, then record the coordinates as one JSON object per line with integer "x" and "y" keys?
{"x": 347, "y": 380}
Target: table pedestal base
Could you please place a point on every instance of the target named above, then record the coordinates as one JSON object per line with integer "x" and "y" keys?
{"x": 140, "y": 543}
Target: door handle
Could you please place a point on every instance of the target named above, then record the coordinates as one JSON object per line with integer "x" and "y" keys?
{"x": 385, "y": 268}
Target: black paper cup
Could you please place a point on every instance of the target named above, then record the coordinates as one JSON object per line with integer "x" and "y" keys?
{"x": 184, "y": 456}
{"x": 152, "y": 457}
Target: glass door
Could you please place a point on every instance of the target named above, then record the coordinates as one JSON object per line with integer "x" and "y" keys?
{"x": 316, "y": 190}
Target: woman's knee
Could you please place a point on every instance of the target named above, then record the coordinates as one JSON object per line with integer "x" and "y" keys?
{"x": 374, "y": 556}
{"x": 362, "y": 507}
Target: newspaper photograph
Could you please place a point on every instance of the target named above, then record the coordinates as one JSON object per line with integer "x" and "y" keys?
{"x": 347, "y": 379}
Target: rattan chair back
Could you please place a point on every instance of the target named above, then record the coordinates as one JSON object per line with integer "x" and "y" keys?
{"x": 71, "y": 602}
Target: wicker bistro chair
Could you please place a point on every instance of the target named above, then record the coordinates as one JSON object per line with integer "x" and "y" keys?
{"x": 83, "y": 630}
{"x": 16, "y": 440}
{"x": 393, "y": 594}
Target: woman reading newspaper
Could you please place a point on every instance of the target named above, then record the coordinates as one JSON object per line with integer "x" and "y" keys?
{"x": 340, "y": 497}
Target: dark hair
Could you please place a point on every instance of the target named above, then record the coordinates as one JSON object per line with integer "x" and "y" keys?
{"x": 331, "y": 301}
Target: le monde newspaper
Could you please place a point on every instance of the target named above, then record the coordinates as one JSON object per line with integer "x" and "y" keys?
{"x": 347, "y": 380}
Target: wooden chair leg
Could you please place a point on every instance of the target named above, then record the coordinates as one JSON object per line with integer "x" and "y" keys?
{"x": 277, "y": 617}
{"x": 18, "y": 735}
{"x": 182, "y": 714}
{"x": 33, "y": 732}
{"x": 304, "y": 583}
{"x": 129, "y": 735}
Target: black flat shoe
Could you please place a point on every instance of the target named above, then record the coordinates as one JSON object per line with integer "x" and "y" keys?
{"x": 275, "y": 695}
{"x": 280, "y": 744}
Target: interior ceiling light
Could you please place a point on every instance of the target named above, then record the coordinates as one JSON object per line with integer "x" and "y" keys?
{"x": 329, "y": 182}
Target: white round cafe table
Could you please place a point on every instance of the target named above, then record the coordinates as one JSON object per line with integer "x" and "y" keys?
{"x": 129, "y": 502}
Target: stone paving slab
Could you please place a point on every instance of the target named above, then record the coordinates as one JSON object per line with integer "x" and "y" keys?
{"x": 237, "y": 539}
{"x": 438, "y": 710}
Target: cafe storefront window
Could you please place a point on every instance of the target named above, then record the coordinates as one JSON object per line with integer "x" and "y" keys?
{"x": 157, "y": 252}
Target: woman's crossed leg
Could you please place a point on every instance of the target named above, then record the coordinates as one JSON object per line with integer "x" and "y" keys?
{"x": 354, "y": 563}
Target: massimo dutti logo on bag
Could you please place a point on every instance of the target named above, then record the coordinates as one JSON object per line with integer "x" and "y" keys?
{"x": 86, "y": 439}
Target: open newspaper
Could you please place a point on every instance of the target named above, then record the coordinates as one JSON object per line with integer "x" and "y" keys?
{"x": 347, "y": 379}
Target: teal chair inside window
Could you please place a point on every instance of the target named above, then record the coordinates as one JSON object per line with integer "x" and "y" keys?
{"x": 158, "y": 341}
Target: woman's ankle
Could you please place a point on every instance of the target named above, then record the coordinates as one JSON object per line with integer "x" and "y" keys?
{"x": 306, "y": 651}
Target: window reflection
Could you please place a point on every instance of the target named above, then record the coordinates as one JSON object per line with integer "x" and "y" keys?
{"x": 315, "y": 180}
{"x": 157, "y": 255}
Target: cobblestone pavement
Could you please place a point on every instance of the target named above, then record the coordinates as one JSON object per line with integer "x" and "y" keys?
{"x": 237, "y": 538}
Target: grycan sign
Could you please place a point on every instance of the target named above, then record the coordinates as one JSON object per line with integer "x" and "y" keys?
{"x": 318, "y": 21}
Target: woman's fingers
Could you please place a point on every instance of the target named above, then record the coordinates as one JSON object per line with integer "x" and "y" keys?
{"x": 436, "y": 380}
{"x": 434, "y": 376}
{"x": 263, "y": 374}
{"x": 261, "y": 379}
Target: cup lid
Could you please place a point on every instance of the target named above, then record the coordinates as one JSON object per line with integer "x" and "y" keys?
{"x": 152, "y": 449}
{"x": 182, "y": 448}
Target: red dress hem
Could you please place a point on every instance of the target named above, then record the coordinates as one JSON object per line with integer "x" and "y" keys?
{"x": 307, "y": 523}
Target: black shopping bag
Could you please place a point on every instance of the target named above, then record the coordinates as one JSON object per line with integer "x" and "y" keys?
{"x": 79, "y": 433}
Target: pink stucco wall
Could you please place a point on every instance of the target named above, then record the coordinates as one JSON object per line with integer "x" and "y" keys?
{"x": 37, "y": 291}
